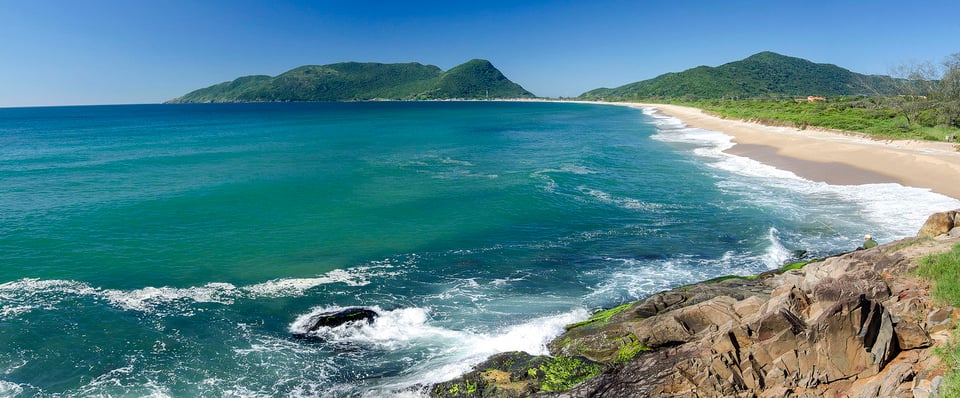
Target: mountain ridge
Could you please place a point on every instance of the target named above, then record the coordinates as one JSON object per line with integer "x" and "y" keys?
{"x": 763, "y": 75}
{"x": 364, "y": 81}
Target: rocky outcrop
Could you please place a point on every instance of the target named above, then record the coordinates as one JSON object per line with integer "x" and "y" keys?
{"x": 941, "y": 223}
{"x": 662, "y": 320}
{"x": 854, "y": 325}
{"x": 336, "y": 318}
{"x": 841, "y": 327}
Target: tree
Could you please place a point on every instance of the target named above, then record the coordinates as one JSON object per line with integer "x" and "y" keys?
{"x": 929, "y": 89}
{"x": 948, "y": 93}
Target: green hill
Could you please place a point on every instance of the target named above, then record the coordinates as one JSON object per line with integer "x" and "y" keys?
{"x": 763, "y": 75}
{"x": 355, "y": 81}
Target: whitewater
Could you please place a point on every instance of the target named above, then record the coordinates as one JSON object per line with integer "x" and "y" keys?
{"x": 174, "y": 250}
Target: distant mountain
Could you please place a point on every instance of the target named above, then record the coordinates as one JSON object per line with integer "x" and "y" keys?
{"x": 355, "y": 81}
{"x": 762, "y": 75}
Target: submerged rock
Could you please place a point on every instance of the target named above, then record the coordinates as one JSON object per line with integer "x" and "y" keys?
{"x": 336, "y": 318}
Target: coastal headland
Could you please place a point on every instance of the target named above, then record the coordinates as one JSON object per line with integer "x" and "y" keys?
{"x": 834, "y": 157}
{"x": 859, "y": 324}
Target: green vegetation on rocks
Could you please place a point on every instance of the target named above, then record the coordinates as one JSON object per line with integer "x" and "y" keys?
{"x": 601, "y": 317}
{"x": 355, "y": 81}
{"x": 518, "y": 374}
{"x": 562, "y": 373}
{"x": 630, "y": 349}
{"x": 798, "y": 265}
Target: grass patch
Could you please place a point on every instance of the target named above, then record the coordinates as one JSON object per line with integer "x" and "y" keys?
{"x": 871, "y": 116}
{"x": 944, "y": 270}
{"x": 950, "y": 355}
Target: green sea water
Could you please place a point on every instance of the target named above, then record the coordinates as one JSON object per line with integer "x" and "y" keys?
{"x": 172, "y": 250}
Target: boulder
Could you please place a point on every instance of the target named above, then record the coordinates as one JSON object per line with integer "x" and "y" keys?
{"x": 911, "y": 335}
{"x": 955, "y": 232}
{"x": 336, "y": 318}
{"x": 939, "y": 223}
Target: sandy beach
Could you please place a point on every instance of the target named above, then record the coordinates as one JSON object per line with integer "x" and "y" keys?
{"x": 834, "y": 157}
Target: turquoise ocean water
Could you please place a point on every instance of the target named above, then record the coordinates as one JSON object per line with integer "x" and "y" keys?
{"x": 171, "y": 250}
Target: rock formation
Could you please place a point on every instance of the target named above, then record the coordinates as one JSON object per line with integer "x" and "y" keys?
{"x": 854, "y": 325}
{"x": 942, "y": 223}
{"x": 336, "y": 318}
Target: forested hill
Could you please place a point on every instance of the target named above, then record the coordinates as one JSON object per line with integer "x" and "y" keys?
{"x": 354, "y": 81}
{"x": 763, "y": 75}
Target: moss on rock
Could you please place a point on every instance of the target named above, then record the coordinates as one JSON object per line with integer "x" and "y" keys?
{"x": 518, "y": 374}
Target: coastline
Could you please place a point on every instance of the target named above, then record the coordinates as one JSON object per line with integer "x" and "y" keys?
{"x": 860, "y": 323}
{"x": 833, "y": 157}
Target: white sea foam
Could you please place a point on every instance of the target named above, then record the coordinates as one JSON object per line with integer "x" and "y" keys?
{"x": 29, "y": 294}
{"x": 531, "y": 337}
{"x": 633, "y": 278}
{"x": 507, "y": 280}
{"x": 359, "y": 276}
{"x": 551, "y": 184}
{"x": 149, "y": 298}
{"x": 881, "y": 204}
{"x": 457, "y": 162}
{"x": 10, "y": 389}
{"x": 663, "y": 122}
{"x": 775, "y": 255}
{"x": 26, "y": 295}
{"x": 13, "y": 311}
{"x": 458, "y": 350}
{"x": 622, "y": 202}
{"x": 392, "y": 330}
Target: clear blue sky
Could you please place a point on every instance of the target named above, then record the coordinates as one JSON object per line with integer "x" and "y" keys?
{"x": 132, "y": 51}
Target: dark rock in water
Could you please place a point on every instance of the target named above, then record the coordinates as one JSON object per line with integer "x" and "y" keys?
{"x": 336, "y": 318}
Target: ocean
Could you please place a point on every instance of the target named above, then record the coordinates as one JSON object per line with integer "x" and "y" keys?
{"x": 173, "y": 250}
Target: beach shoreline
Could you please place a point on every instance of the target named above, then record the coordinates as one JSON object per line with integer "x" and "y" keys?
{"x": 833, "y": 157}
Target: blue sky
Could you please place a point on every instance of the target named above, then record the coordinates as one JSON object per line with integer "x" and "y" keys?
{"x": 132, "y": 51}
